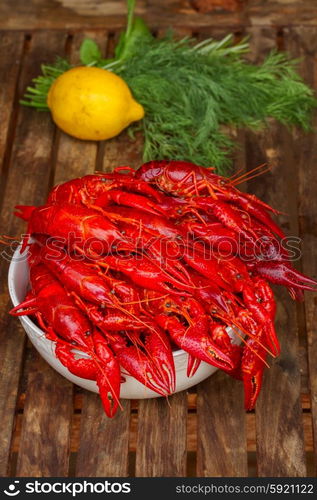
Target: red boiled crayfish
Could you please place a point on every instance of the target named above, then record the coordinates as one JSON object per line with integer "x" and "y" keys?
{"x": 130, "y": 263}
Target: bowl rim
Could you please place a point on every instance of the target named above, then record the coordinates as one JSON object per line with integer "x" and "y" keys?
{"x": 36, "y": 329}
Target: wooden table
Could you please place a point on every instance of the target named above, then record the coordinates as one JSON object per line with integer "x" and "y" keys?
{"x": 50, "y": 427}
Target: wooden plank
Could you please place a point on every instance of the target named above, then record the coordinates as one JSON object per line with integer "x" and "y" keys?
{"x": 75, "y": 157}
{"x": 44, "y": 445}
{"x": 11, "y": 347}
{"x": 11, "y": 53}
{"x": 302, "y": 43}
{"x": 104, "y": 442}
{"x": 45, "y": 14}
{"x": 221, "y": 439}
{"x": 191, "y": 426}
{"x": 27, "y": 184}
{"x": 281, "y": 12}
{"x": 161, "y": 442}
{"x": 122, "y": 151}
{"x": 27, "y": 176}
{"x": 207, "y": 6}
{"x": 280, "y": 440}
{"x": 68, "y": 14}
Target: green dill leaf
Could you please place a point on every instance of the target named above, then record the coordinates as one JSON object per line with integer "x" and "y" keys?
{"x": 36, "y": 96}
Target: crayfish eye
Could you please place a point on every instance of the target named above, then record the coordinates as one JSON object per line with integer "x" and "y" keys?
{"x": 168, "y": 304}
{"x": 88, "y": 333}
{"x": 239, "y": 276}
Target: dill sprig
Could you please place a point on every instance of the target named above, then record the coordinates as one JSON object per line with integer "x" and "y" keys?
{"x": 36, "y": 96}
{"x": 192, "y": 92}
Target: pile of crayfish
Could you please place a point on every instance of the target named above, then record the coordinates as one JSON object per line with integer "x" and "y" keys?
{"x": 129, "y": 265}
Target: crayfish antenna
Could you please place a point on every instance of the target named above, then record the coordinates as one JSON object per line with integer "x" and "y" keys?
{"x": 237, "y": 179}
{"x": 7, "y": 240}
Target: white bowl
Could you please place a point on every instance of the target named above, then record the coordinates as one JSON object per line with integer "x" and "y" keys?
{"x": 18, "y": 281}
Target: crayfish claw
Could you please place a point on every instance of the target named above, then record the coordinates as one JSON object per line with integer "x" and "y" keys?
{"x": 148, "y": 357}
{"x": 108, "y": 376}
{"x": 282, "y": 273}
{"x": 252, "y": 367}
{"x": 192, "y": 365}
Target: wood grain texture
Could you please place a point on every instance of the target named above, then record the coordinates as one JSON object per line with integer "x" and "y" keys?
{"x": 109, "y": 14}
{"x": 221, "y": 439}
{"x": 72, "y": 14}
{"x": 280, "y": 439}
{"x": 104, "y": 442}
{"x": 44, "y": 445}
{"x": 281, "y": 13}
{"x": 222, "y": 436}
{"x": 207, "y": 6}
{"x": 161, "y": 442}
{"x": 301, "y": 42}
{"x": 47, "y": 406}
{"x": 122, "y": 151}
{"x": 11, "y": 53}
{"x": 27, "y": 178}
{"x": 191, "y": 428}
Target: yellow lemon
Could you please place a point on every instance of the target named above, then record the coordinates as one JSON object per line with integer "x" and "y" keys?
{"x": 92, "y": 103}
